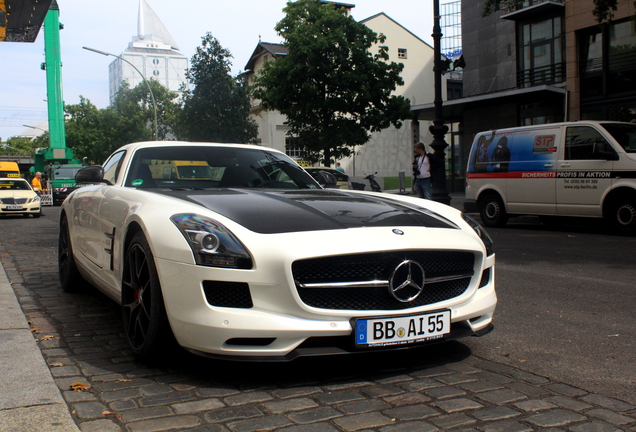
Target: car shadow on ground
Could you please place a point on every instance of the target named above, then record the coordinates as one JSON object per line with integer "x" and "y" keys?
{"x": 561, "y": 224}
{"x": 323, "y": 370}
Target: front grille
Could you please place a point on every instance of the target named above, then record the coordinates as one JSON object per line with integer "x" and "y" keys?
{"x": 228, "y": 294}
{"x": 13, "y": 200}
{"x": 339, "y": 282}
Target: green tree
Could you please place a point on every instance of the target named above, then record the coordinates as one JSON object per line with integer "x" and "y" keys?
{"x": 332, "y": 88}
{"x": 216, "y": 105}
{"x": 95, "y": 133}
{"x": 92, "y": 132}
{"x": 603, "y": 9}
{"x": 21, "y": 146}
{"x": 130, "y": 100}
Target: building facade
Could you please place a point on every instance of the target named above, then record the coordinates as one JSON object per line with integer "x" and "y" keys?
{"x": 153, "y": 52}
{"x": 542, "y": 61}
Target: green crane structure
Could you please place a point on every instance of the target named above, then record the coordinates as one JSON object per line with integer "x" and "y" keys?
{"x": 57, "y": 162}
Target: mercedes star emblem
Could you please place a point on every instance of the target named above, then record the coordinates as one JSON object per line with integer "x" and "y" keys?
{"x": 407, "y": 281}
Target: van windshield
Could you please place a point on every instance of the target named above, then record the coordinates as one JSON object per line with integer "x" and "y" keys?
{"x": 624, "y": 134}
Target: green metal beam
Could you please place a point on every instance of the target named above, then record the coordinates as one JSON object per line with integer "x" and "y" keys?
{"x": 53, "y": 67}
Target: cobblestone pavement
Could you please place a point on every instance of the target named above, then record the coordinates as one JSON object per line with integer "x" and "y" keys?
{"x": 439, "y": 387}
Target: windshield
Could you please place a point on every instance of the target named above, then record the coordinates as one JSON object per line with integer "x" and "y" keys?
{"x": 624, "y": 134}
{"x": 14, "y": 185}
{"x": 65, "y": 173}
{"x": 216, "y": 167}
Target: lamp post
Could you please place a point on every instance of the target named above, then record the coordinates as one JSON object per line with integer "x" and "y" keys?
{"x": 34, "y": 127}
{"x": 154, "y": 103}
{"x": 438, "y": 129}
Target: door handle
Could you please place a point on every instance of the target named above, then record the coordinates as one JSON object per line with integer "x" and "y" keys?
{"x": 548, "y": 165}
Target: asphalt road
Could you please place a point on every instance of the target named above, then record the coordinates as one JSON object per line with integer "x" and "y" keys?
{"x": 567, "y": 305}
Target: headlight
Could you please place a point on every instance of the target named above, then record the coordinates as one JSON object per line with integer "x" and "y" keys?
{"x": 481, "y": 232}
{"x": 34, "y": 199}
{"x": 212, "y": 243}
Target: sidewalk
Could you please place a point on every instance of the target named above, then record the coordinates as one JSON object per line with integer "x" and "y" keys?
{"x": 29, "y": 401}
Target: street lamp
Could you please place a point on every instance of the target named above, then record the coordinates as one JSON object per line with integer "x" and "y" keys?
{"x": 438, "y": 129}
{"x": 154, "y": 103}
{"x": 34, "y": 127}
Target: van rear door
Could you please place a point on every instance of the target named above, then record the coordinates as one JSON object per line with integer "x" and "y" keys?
{"x": 584, "y": 173}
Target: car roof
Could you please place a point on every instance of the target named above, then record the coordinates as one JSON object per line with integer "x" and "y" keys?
{"x": 151, "y": 144}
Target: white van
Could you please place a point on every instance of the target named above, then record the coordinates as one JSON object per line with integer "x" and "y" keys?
{"x": 584, "y": 168}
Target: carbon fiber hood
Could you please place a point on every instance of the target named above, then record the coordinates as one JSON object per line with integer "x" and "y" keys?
{"x": 269, "y": 212}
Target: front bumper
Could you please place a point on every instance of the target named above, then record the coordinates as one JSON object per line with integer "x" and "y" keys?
{"x": 32, "y": 208}
{"x": 278, "y": 326}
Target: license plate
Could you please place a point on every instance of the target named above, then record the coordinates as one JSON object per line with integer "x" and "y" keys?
{"x": 401, "y": 330}
{"x": 13, "y": 207}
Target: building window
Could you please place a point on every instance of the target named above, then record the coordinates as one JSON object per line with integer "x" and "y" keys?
{"x": 294, "y": 153}
{"x": 608, "y": 60}
{"x": 541, "y": 58}
{"x": 155, "y": 72}
{"x": 402, "y": 53}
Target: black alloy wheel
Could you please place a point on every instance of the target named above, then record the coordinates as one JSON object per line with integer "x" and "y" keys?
{"x": 70, "y": 277}
{"x": 145, "y": 320}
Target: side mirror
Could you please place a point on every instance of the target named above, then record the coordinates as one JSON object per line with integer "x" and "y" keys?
{"x": 603, "y": 150}
{"x": 91, "y": 174}
{"x": 326, "y": 180}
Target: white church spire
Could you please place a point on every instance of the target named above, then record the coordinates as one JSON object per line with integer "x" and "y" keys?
{"x": 150, "y": 27}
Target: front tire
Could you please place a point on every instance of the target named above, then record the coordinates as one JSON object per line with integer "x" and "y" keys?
{"x": 492, "y": 210}
{"x": 70, "y": 277}
{"x": 145, "y": 320}
{"x": 622, "y": 215}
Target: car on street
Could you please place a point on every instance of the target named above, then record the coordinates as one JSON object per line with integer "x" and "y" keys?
{"x": 342, "y": 179}
{"x": 17, "y": 197}
{"x": 252, "y": 259}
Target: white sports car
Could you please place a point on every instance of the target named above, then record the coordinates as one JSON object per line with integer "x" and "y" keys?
{"x": 235, "y": 251}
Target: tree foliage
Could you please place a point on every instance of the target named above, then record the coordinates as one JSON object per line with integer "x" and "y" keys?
{"x": 21, "y": 146}
{"x": 603, "y": 9}
{"x": 95, "y": 133}
{"x": 216, "y": 105}
{"x": 331, "y": 87}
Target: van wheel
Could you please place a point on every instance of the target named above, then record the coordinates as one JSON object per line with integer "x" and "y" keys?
{"x": 622, "y": 215}
{"x": 492, "y": 211}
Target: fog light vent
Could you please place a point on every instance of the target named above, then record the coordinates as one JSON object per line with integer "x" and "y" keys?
{"x": 228, "y": 294}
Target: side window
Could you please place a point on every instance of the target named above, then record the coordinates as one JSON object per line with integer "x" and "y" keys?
{"x": 112, "y": 167}
{"x": 580, "y": 141}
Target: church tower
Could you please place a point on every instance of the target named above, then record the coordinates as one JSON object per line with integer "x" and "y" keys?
{"x": 153, "y": 51}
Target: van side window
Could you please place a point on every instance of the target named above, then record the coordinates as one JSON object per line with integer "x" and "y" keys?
{"x": 579, "y": 143}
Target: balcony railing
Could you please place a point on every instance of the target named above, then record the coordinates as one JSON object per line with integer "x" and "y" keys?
{"x": 515, "y": 5}
{"x": 518, "y": 10}
{"x": 550, "y": 74}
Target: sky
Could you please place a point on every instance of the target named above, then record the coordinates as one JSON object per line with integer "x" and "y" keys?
{"x": 110, "y": 26}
